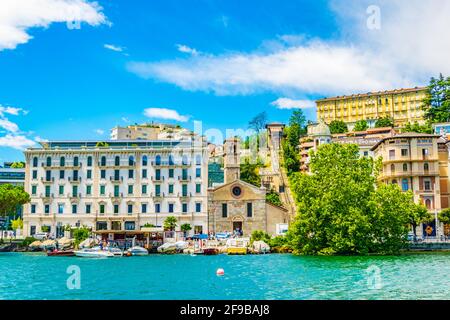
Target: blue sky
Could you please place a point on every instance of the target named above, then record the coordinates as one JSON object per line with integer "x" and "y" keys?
{"x": 219, "y": 62}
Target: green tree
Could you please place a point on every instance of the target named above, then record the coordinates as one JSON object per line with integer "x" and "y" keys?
{"x": 250, "y": 172}
{"x": 170, "y": 223}
{"x": 101, "y": 144}
{"x": 339, "y": 210}
{"x": 418, "y": 214}
{"x": 80, "y": 234}
{"x": 337, "y": 126}
{"x": 185, "y": 227}
{"x": 149, "y": 225}
{"x": 390, "y": 214}
{"x": 384, "y": 122}
{"x": 361, "y": 125}
{"x": 289, "y": 146}
{"x": 258, "y": 122}
{"x": 12, "y": 197}
{"x": 444, "y": 216}
{"x": 416, "y": 127}
{"x": 259, "y": 235}
{"x": 17, "y": 224}
{"x": 273, "y": 197}
{"x": 298, "y": 121}
{"x": 436, "y": 103}
{"x": 18, "y": 165}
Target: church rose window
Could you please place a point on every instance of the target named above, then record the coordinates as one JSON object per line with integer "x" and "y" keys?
{"x": 236, "y": 191}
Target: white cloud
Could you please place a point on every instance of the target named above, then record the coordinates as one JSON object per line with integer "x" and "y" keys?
{"x": 14, "y": 137}
{"x": 125, "y": 119}
{"x": 407, "y": 50}
{"x": 8, "y": 125}
{"x": 99, "y": 132}
{"x": 18, "y": 142}
{"x": 185, "y": 49}
{"x": 17, "y": 16}
{"x": 11, "y": 110}
{"x": 286, "y": 103}
{"x": 163, "y": 113}
{"x": 39, "y": 139}
{"x": 113, "y": 47}
{"x": 315, "y": 68}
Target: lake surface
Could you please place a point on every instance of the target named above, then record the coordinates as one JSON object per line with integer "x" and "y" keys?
{"x": 274, "y": 276}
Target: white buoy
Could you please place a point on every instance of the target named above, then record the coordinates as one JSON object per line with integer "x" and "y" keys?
{"x": 220, "y": 272}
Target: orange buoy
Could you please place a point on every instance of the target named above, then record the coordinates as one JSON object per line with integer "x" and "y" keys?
{"x": 220, "y": 272}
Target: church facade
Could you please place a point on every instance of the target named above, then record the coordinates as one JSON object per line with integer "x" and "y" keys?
{"x": 238, "y": 205}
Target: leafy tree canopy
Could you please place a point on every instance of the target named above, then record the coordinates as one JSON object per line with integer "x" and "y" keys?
{"x": 250, "y": 172}
{"x": 337, "y": 126}
{"x": 292, "y": 134}
{"x": 185, "y": 227}
{"x": 384, "y": 122}
{"x": 436, "y": 103}
{"x": 12, "y": 197}
{"x": 361, "y": 125}
{"x": 18, "y": 165}
{"x": 339, "y": 210}
{"x": 273, "y": 197}
{"x": 416, "y": 127}
{"x": 170, "y": 223}
{"x": 258, "y": 122}
{"x": 444, "y": 216}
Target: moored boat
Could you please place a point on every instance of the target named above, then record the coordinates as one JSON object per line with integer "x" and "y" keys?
{"x": 137, "y": 251}
{"x": 115, "y": 251}
{"x": 210, "y": 251}
{"x": 237, "y": 250}
{"x": 62, "y": 253}
{"x": 93, "y": 253}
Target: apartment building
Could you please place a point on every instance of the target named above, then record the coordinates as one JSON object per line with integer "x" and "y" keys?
{"x": 116, "y": 187}
{"x": 402, "y": 105}
{"x": 417, "y": 162}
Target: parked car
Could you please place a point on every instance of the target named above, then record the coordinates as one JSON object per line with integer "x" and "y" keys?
{"x": 41, "y": 235}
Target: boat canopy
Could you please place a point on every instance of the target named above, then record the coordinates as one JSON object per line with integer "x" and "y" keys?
{"x": 200, "y": 236}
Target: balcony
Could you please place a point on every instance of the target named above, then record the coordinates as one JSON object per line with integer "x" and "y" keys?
{"x": 408, "y": 173}
{"x": 158, "y": 195}
{"x": 184, "y": 178}
{"x": 116, "y": 179}
{"x": 75, "y": 180}
{"x": 74, "y": 196}
{"x": 52, "y": 179}
{"x": 116, "y": 196}
{"x": 185, "y": 195}
{"x": 47, "y": 196}
{"x": 157, "y": 179}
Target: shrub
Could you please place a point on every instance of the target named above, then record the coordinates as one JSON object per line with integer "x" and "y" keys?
{"x": 27, "y": 241}
{"x": 259, "y": 235}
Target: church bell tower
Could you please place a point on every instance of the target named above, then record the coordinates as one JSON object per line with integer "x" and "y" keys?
{"x": 231, "y": 157}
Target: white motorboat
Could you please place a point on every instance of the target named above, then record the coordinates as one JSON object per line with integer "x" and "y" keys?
{"x": 137, "y": 251}
{"x": 115, "y": 251}
{"x": 95, "y": 252}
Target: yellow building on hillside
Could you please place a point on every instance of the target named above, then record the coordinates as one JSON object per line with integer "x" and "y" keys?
{"x": 402, "y": 105}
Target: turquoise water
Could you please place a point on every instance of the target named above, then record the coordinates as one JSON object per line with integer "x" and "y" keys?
{"x": 36, "y": 276}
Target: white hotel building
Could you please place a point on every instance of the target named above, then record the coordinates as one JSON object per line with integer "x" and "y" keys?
{"x": 118, "y": 188}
